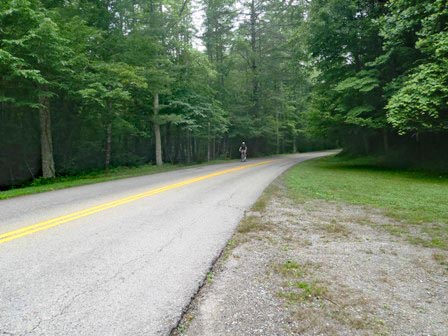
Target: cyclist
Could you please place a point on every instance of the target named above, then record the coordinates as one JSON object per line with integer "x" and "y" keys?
{"x": 243, "y": 151}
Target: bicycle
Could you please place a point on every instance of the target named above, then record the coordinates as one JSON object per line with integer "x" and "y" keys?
{"x": 243, "y": 156}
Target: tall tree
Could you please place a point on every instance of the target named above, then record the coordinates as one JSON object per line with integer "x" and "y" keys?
{"x": 33, "y": 42}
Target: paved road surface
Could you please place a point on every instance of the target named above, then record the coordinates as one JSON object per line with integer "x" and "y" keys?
{"x": 98, "y": 260}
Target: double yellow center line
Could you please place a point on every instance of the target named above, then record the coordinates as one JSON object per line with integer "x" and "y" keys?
{"x": 27, "y": 230}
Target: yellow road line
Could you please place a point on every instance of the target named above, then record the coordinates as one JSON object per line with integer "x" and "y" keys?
{"x": 27, "y": 230}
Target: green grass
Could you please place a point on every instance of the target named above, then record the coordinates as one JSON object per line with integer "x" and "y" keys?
{"x": 42, "y": 185}
{"x": 251, "y": 224}
{"x": 290, "y": 269}
{"x": 413, "y": 197}
{"x": 210, "y": 277}
{"x": 262, "y": 202}
{"x": 296, "y": 289}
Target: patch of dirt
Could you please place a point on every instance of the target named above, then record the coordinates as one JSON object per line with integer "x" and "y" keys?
{"x": 321, "y": 268}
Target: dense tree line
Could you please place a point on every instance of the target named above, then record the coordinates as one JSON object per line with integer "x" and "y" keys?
{"x": 89, "y": 84}
{"x": 381, "y": 75}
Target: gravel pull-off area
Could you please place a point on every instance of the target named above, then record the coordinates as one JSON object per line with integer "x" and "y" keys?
{"x": 321, "y": 268}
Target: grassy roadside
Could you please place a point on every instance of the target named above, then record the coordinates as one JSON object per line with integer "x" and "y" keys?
{"x": 415, "y": 199}
{"x": 42, "y": 185}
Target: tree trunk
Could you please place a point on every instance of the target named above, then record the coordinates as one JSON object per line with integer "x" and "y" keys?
{"x": 208, "y": 143}
{"x": 157, "y": 136}
{"x": 167, "y": 140}
{"x": 277, "y": 131}
{"x": 46, "y": 139}
{"x": 179, "y": 157}
{"x": 108, "y": 150}
{"x": 195, "y": 149}
{"x": 189, "y": 147}
{"x": 253, "y": 45}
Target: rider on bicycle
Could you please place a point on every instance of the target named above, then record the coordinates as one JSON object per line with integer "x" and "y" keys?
{"x": 243, "y": 151}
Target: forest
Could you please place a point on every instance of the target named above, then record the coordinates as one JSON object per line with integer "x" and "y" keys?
{"x": 92, "y": 84}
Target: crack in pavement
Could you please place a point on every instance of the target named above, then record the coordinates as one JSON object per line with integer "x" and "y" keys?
{"x": 224, "y": 202}
{"x": 95, "y": 287}
{"x": 166, "y": 244}
{"x": 4, "y": 332}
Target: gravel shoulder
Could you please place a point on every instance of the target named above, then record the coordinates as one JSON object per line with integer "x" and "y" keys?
{"x": 320, "y": 268}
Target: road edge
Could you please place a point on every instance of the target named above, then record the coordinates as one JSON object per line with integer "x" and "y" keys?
{"x": 188, "y": 313}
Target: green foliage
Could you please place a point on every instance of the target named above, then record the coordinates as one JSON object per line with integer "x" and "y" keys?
{"x": 379, "y": 71}
{"x": 364, "y": 81}
{"x": 107, "y": 88}
{"x": 421, "y": 104}
{"x": 33, "y": 55}
{"x": 98, "y": 65}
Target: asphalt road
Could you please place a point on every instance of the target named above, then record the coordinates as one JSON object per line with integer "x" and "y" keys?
{"x": 122, "y": 257}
